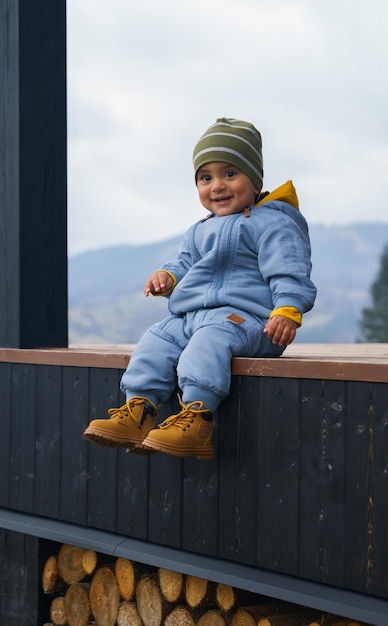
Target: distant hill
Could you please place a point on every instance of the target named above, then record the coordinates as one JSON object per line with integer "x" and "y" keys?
{"x": 107, "y": 305}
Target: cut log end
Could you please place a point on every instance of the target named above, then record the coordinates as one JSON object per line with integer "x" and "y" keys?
{"x": 180, "y": 616}
{"x": 242, "y": 618}
{"x": 195, "y": 590}
{"x": 211, "y": 618}
{"x": 50, "y": 575}
{"x": 89, "y": 561}
{"x": 149, "y": 601}
{"x": 128, "y": 615}
{"x": 77, "y": 605}
{"x": 104, "y": 596}
{"x": 226, "y": 597}
{"x": 125, "y": 574}
{"x": 70, "y": 566}
{"x": 171, "y": 584}
{"x": 58, "y": 612}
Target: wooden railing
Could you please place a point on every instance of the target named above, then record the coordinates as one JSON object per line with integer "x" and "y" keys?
{"x": 298, "y": 487}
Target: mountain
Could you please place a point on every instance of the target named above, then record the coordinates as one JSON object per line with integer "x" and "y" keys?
{"x": 107, "y": 305}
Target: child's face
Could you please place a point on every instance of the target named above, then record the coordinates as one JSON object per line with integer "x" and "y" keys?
{"x": 224, "y": 189}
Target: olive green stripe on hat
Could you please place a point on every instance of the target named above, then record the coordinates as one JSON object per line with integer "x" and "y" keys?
{"x": 235, "y": 142}
{"x": 250, "y": 141}
{"x": 219, "y": 153}
{"x": 253, "y": 140}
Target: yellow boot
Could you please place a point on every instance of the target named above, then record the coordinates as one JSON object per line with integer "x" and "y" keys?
{"x": 128, "y": 425}
{"x": 188, "y": 433}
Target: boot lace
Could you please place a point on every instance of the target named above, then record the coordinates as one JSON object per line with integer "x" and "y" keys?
{"x": 126, "y": 409}
{"x": 185, "y": 418}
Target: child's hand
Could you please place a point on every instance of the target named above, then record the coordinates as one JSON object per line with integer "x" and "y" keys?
{"x": 281, "y": 330}
{"x": 159, "y": 282}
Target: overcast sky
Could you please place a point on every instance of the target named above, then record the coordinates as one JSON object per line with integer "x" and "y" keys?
{"x": 145, "y": 79}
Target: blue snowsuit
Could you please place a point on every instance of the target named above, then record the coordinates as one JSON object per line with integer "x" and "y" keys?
{"x": 231, "y": 272}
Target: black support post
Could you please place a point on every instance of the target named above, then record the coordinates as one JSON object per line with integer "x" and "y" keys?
{"x": 33, "y": 174}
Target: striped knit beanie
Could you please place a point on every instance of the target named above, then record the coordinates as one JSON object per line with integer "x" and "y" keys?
{"x": 235, "y": 142}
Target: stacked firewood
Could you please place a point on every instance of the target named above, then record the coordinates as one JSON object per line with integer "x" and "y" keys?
{"x": 88, "y": 588}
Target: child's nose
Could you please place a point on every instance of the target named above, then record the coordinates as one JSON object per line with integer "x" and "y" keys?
{"x": 218, "y": 183}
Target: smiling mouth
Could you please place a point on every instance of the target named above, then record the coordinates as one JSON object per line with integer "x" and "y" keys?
{"x": 223, "y": 199}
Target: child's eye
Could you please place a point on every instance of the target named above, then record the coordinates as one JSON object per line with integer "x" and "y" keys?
{"x": 205, "y": 178}
{"x": 230, "y": 174}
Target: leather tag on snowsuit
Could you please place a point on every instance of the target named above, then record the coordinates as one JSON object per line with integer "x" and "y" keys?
{"x": 236, "y": 319}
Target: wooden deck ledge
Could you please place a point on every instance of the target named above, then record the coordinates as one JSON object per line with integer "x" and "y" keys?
{"x": 362, "y": 362}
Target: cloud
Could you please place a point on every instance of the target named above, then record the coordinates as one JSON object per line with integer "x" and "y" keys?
{"x": 146, "y": 79}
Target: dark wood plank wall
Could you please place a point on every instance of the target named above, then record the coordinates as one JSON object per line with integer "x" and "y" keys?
{"x": 22, "y": 558}
{"x": 19, "y": 576}
{"x": 298, "y": 485}
{"x": 33, "y": 168}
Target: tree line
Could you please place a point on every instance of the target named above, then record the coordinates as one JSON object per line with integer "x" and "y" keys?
{"x": 374, "y": 319}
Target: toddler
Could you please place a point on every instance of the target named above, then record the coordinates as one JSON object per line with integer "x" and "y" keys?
{"x": 238, "y": 287}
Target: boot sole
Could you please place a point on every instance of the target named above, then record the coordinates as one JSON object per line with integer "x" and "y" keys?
{"x": 205, "y": 454}
{"x": 106, "y": 439}
{"x": 140, "y": 450}
{"x": 132, "y": 448}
